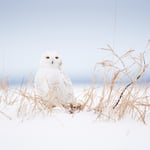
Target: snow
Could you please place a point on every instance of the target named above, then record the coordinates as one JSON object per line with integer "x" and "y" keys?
{"x": 62, "y": 130}
{"x": 78, "y": 131}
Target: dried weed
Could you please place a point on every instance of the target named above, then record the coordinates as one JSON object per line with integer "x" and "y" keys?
{"x": 111, "y": 100}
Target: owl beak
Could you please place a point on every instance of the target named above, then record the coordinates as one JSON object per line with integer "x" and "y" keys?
{"x": 52, "y": 62}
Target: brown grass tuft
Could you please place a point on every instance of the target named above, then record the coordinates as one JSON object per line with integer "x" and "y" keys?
{"x": 119, "y": 96}
{"x": 114, "y": 100}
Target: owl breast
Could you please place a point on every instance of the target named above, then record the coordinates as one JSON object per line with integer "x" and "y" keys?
{"x": 53, "y": 87}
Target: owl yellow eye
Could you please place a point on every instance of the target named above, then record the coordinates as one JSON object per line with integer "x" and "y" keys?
{"x": 56, "y": 57}
{"x": 47, "y": 57}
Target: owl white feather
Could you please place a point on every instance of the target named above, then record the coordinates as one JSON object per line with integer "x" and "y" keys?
{"x": 51, "y": 83}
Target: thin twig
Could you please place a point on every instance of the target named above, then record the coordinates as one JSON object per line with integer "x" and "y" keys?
{"x": 4, "y": 114}
{"x": 132, "y": 82}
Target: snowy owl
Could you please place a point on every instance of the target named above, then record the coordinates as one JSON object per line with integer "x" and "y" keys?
{"x": 51, "y": 83}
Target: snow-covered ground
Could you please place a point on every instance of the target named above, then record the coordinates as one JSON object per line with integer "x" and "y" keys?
{"x": 79, "y": 131}
{"x": 65, "y": 131}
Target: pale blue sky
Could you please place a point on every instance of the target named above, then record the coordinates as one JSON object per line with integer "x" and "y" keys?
{"x": 75, "y": 28}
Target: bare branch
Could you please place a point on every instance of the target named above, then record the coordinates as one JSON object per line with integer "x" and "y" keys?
{"x": 128, "y": 85}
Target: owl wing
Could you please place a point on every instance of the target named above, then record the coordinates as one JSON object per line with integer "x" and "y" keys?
{"x": 39, "y": 85}
{"x": 67, "y": 87}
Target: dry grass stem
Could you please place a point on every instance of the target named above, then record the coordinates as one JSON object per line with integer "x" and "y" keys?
{"x": 110, "y": 100}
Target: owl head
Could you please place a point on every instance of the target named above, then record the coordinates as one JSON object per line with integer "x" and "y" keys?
{"x": 51, "y": 60}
